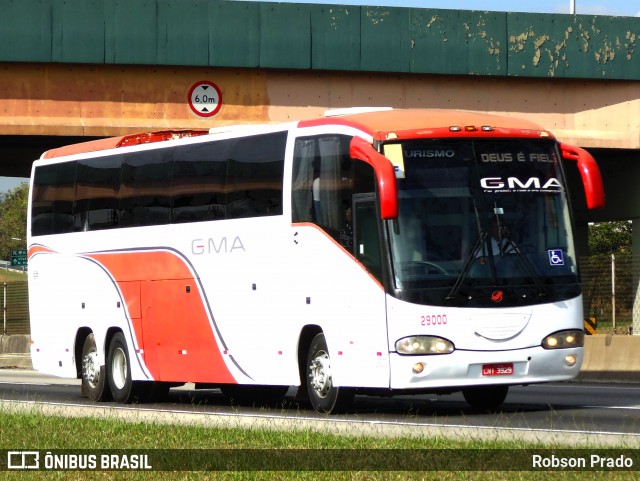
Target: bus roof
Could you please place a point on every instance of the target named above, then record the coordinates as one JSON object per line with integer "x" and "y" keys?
{"x": 121, "y": 141}
{"x": 387, "y": 124}
{"x": 381, "y": 124}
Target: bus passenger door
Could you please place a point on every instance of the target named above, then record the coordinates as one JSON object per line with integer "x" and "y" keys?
{"x": 366, "y": 234}
{"x": 368, "y": 324}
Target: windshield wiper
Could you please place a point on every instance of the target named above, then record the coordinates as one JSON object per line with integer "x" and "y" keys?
{"x": 528, "y": 269}
{"x": 524, "y": 264}
{"x": 480, "y": 241}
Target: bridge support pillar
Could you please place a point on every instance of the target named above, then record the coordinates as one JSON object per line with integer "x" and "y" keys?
{"x": 635, "y": 265}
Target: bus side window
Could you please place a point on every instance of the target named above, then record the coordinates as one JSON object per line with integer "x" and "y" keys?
{"x": 322, "y": 182}
{"x": 255, "y": 176}
{"x": 97, "y": 187}
{"x": 53, "y": 194}
{"x": 144, "y": 200}
{"x": 199, "y": 182}
{"x": 304, "y": 173}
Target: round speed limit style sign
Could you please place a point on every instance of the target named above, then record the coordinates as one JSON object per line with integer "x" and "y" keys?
{"x": 205, "y": 99}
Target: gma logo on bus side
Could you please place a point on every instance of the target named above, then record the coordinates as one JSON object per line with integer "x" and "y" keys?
{"x": 221, "y": 245}
{"x": 516, "y": 184}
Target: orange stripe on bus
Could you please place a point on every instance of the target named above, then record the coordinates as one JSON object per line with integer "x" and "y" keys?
{"x": 38, "y": 249}
{"x": 167, "y": 311}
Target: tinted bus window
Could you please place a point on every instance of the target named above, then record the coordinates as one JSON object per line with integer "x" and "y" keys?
{"x": 144, "y": 191}
{"x": 322, "y": 181}
{"x": 199, "y": 178}
{"x": 53, "y": 194}
{"x": 254, "y": 176}
{"x": 97, "y": 187}
{"x": 224, "y": 179}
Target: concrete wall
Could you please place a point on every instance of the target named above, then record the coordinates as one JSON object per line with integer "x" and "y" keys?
{"x": 14, "y": 351}
{"x": 108, "y": 100}
{"x": 611, "y": 359}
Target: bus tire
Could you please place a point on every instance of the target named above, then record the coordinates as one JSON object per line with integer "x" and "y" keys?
{"x": 485, "y": 398}
{"x": 123, "y": 388}
{"x": 94, "y": 377}
{"x": 324, "y": 397}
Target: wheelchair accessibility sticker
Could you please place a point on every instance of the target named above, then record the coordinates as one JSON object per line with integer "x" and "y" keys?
{"x": 556, "y": 258}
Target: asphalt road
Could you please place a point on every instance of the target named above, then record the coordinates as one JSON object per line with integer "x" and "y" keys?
{"x": 572, "y": 414}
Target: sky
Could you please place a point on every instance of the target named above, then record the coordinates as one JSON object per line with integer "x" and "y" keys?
{"x": 625, "y": 8}
{"x": 10, "y": 183}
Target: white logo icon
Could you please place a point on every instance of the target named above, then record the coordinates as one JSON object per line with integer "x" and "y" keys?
{"x": 23, "y": 460}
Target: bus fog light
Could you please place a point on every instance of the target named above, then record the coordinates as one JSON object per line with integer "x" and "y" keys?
{"x": 564, "y": 339}
{"x": 570, "y": 360}
{"x": 414, "y": 345}
{"x": 418, "y": 367}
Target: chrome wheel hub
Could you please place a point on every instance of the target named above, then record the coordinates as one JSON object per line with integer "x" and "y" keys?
{"x": 320, "y": 374}
{"x": 90, "y": 368}
{"x": 119, "y": 368}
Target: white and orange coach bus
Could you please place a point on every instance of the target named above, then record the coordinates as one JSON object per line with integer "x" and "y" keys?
{"x": 378, "y": 252}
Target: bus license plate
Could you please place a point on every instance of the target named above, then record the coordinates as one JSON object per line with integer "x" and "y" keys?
{"x": 497, "y": 369}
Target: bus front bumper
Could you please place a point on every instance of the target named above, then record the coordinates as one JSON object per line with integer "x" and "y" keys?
{"x": 475, "y": 368}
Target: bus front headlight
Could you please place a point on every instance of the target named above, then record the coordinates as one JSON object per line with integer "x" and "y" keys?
{"x": 564, "y": 339}
{"x": 422, "y": 345}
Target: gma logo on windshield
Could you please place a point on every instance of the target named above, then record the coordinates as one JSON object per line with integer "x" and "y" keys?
{"x": 516, "y": 184}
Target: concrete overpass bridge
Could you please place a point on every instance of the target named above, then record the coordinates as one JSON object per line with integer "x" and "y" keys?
{"x": 80, "y": 69}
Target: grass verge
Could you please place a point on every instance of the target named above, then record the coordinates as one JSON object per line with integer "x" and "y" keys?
{"x": 36, "y": 431}
{"x": 12, "y": 276}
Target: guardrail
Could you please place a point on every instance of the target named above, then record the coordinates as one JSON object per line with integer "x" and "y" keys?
{"x": 6, "y": 265}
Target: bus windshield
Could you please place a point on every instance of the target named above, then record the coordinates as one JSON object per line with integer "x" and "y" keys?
{"x": 481, "y": 222}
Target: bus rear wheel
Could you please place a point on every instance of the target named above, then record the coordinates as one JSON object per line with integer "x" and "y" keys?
{"x": 123, "y": 388}
{"x": 94, "y": 378}
{"x": 485, "y": 398}
{"x": 323, "y": 395}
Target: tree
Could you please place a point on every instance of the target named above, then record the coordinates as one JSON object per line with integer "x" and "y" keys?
{"x": 610, "y": 237}
{"x": 13, "y": 220}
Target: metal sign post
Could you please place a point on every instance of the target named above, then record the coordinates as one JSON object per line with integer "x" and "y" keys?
{"x": 4, "y": 306}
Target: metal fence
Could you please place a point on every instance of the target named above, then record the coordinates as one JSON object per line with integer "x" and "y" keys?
{"x": 15, "y": 308}
{"x": 609, "y": 290}
{"x": 608, "y": 285}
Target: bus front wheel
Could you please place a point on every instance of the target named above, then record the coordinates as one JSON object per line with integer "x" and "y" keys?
{"x": 94, "y": 377}
{"x": 123, "y": 389}
{"x": 324, "y": 396}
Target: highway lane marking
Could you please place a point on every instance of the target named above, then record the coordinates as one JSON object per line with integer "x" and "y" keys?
{"x": 608, "y": 388}
{"x": 36, "y": 384}
{"x": 33, "y": 384}
{"x": 633, "y": 408}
